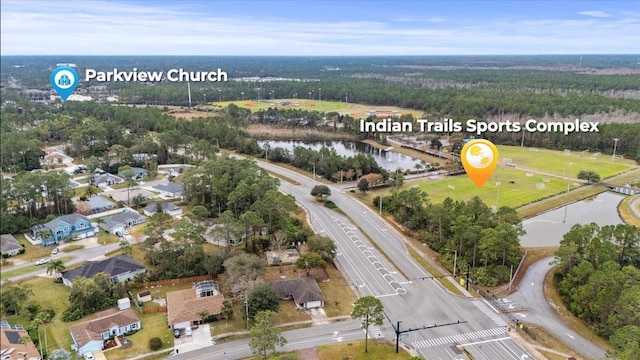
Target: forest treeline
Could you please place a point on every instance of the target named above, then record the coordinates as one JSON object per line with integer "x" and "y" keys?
{"x": 598, "y": 278}
{"x": 486, "y": 241}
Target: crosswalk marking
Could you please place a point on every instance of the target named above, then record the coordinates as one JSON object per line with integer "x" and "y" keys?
{"x": 453, "y": 339}
{"x": 491, "y": 314}
{"x": 375, "y": 332}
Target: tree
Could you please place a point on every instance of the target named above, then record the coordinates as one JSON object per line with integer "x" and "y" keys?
{"x": 127, "y": 173}
{"x": 363, "y": 185}
{"x": 371, "y": 309}
{"x": 60, "y": 354}
{"x": 322, "y": 245}
{"x": 155, "y": 343}
{"x": 125, "y": 247}
{"x": 13, "y": 297}
{"x": 264, "y": 335}
{"x": 320, "y": 191}
{"x": 589, "y": 175}
{"x": 309, "y": 261}
{"x": 227, "y": 311}
{"x": 56, "y": 266}
{"x": 262, "y": 297}
{"x": 243, "y": 265}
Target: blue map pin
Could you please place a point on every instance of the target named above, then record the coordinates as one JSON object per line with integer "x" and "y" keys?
{"x": 64, "y": 80}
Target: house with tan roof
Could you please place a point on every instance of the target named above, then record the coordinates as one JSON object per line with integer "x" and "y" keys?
{"x": 11, "y": 346}
{"x": 89, "y": 336}
{"x": 186, "y": 307}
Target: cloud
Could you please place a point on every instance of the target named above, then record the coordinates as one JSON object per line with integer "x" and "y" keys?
{"x": 595, "y": 13}
{"x": 135, "y": 28}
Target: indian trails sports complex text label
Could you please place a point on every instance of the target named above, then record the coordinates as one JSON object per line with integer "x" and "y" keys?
{"x": 478, "y": 127}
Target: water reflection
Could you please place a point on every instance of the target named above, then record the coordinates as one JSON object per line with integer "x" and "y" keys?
{"x": 548, "y": 228}
{"x": 388, "y": 160}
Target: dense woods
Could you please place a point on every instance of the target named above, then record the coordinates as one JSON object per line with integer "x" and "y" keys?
{"x": 598, "y": 278}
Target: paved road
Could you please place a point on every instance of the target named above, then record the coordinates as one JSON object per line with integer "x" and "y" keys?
{"x": 416, "y": 303}
{"x": 530, "y": 295}
{"x": 342, "y": 331}
{"x": 78, "y": 256}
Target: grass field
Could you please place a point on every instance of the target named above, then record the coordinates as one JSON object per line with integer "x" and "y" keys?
{"x": 355, "y": 110}
{"x": 522, "y": 191}
{"x": 557, "y": 163}
{"x": 354, "y": 350}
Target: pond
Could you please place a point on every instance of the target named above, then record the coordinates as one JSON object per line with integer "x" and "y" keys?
{"x": 548, "y": 228}
{"x": 388, "y": 160}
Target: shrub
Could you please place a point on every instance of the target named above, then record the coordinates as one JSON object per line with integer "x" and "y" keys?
{"x": 155, "y": 343}
{"x": 22, "y": 251}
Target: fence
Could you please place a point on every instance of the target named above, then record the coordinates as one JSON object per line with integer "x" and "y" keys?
{"x": 146, "y": 310}
{"x": 173, "y": 281}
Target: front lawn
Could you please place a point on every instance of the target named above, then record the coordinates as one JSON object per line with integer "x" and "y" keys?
{"x": 354, "y": 350}
{"x": 153, "y": 325}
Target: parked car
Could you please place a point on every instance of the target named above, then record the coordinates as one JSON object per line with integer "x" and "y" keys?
{"x": 188, "y": 331}
{"x": 88, "y": 356}
{"x": 42, "y": 261}
{"x": 55, "y": 251}
{"x": 176, "y": 333}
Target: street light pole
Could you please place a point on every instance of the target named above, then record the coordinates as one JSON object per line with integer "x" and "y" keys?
{"x": 455, "y": 260}
{"x": 246, "y": 303}
{"x": 219, "y": 95}
{"x": 242, "y": 93}
{"x": 319, "y": 94}
{"x": 615, "y": 145}
{"x": 498, "y": 183}
{"x": 380, "y": 201}
{"x": 314, "y": 171}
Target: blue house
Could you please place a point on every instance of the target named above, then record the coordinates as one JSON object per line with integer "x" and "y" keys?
{"x": 63, "y": 228}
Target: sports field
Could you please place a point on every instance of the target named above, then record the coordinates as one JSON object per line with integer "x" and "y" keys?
{"x": 563, "y": 164}
{"x": 515, "y": 189}
{"x": 355, "y": 110}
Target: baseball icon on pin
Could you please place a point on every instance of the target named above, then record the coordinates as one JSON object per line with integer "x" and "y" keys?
{"x": 479, "y": 158}
{"x": 64, "y": 80}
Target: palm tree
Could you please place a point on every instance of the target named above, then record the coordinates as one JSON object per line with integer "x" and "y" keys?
{"x": 56, "y": 266}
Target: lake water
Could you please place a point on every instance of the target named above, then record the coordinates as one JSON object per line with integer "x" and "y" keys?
{"x": 388, "y": 160}
{"x": 547, "y": 229}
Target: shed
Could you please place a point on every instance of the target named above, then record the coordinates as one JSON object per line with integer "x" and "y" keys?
{"x": 144, "y": 296}
{"x": 124, "y": 303}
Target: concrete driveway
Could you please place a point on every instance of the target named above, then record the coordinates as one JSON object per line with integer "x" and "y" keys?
{"x": 201, "y": 338}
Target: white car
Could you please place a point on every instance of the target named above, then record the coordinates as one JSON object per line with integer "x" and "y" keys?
{"x": 88, "y": 356}
{"x": 55, "y": 251}
{"x": 188, "y": 331}
{"x": 42, "y": 261}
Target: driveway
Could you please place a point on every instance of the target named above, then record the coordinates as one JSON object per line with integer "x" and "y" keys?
{"x": 201, "y": 338}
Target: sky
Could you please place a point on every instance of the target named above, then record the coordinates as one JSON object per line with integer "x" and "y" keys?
{"x": 318, "y": 28}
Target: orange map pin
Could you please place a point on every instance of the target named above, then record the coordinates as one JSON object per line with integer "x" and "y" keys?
{"x": 479, "y": 158}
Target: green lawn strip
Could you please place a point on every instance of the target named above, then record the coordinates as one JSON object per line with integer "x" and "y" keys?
{"x": 434, "y": 271}
{"x": 152, "y": 325}
{"x": 291, "y": 355}
{"x": 556, "y": 162}
{"x": 354, "y": 350}
{"x": 282, "y": 177}
{"x": 627, "y": 215}
{"x": 337, "y": 299}
{"x": 72, "y": 247}
{"x": 11, "y": 273}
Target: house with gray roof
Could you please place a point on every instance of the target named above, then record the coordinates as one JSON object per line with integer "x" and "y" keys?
{"x": 94, "y": 205}
{"x": 9, "y": 245}
{"x": 169, "y": 190}
{"x": 63, "y": 228}
{"x": 304, "y": 292}
{"x": 106, "y": 179}
{"x": 167, "y": 208}
{"x": 115, "y": 224}
{"x": 120, "y": 268}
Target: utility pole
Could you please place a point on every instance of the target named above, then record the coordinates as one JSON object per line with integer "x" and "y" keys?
{"x": 398, "y": 331}
{"x": 246, "y": 303}
{"x": 466, "y": 283}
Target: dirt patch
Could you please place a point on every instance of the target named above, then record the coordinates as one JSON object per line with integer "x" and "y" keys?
{"x": 278, "y": 133}
{"x": 309, "y": 354}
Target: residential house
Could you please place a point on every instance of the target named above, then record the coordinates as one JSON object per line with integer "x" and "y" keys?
{"x": 186, "y": 307}
{"x": 167, "y": 208}
{"x": 63, "y": 228}
{"x": 11, "y": 348}
{"x": 120, "y": 268}
{"x": 304, "y": 292}
{"x": 55, "y": 156}
{"x": 9, "y": 245}
{"x": 94, "y": 205}
{"x": 106, "y": 179}
{"x": 89, "y": 336}
{"x": 115, "y": 224}
{"x": 138, "y": 173}
{"x": 169, "y": 190}
{"x": 219, "y": 235}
